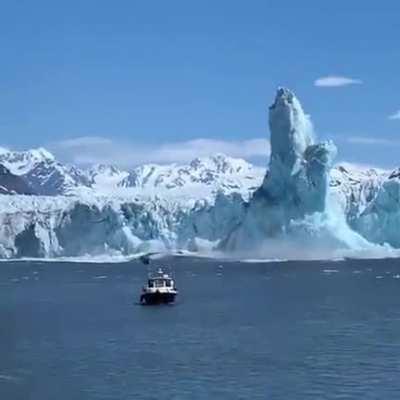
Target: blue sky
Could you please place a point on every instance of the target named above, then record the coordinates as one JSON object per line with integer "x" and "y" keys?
{"x": 138, "y": 80}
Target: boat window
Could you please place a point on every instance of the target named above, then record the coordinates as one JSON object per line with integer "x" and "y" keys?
{"x": 151, "y": 283}
{"x": 159, "y": 282}
{"x": 168, "y": 283}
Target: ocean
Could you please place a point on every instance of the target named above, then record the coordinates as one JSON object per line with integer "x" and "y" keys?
{"x": 271, "y": 330}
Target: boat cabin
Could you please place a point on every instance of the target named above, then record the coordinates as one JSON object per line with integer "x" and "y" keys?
{"x": 160, "y": 282}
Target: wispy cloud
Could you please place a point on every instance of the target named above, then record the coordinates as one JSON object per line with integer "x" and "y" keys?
{"x": 395, "y": 116}
{"x": 84, "y": 141}
{"x": 336, "y": 81}
{"x": 367, "y": 151}
{"x": 371, "y": 140}
{"x": 97, "y": 149}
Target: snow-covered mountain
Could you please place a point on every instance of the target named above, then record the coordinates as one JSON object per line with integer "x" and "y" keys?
{"x": 104, "y": 178}
{"x": 43, "y": 173}
{"x": 300, "y": 202}
{"x": 200, "y": 178}
{"x": 12, "y": 184}
{"x": 22, "y": 162}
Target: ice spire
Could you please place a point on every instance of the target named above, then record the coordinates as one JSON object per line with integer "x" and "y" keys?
{"x": 296, "y": 186}
{"x": 298, "y": 170}
{"x": 291, "y": 130}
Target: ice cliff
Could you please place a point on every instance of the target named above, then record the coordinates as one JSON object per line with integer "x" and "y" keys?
{"x": 33, "y": 226}
{"x": 380, "y": 220}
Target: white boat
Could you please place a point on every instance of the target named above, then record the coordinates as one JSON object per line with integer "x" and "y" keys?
{"x": 160, "y": 289}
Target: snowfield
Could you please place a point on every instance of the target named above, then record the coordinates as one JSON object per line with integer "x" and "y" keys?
{"x": 300, "y": 207}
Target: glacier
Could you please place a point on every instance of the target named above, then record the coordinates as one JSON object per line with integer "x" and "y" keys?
{"x": 301, "y": 206}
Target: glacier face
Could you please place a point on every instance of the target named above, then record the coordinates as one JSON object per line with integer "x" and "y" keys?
{"x": 65, "y": 226}
{"x": 379, "y": 221}
{"x": 300, "y": 207}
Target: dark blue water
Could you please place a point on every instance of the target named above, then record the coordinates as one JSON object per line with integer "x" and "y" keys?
{"x": 321, "y": 330}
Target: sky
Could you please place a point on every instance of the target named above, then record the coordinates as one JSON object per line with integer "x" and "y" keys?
{"x": 136, "y": 81}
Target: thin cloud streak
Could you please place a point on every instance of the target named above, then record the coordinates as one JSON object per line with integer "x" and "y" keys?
{"x": 371, "y": 141}
{"x": 336, "y": 81}
{"x": 83, "y": 141}
{"x": 102, "y": 150}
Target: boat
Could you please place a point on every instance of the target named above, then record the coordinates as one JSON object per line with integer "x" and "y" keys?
{"x": 160, "y": 289}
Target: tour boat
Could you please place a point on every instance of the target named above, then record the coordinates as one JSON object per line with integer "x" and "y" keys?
{"x": 160, "y": 289}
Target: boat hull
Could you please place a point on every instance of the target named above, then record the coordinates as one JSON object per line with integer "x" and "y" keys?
{"x": 157, "y": 298}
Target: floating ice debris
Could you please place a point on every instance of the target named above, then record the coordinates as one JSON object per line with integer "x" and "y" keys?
{"x": 100, "y": 277}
